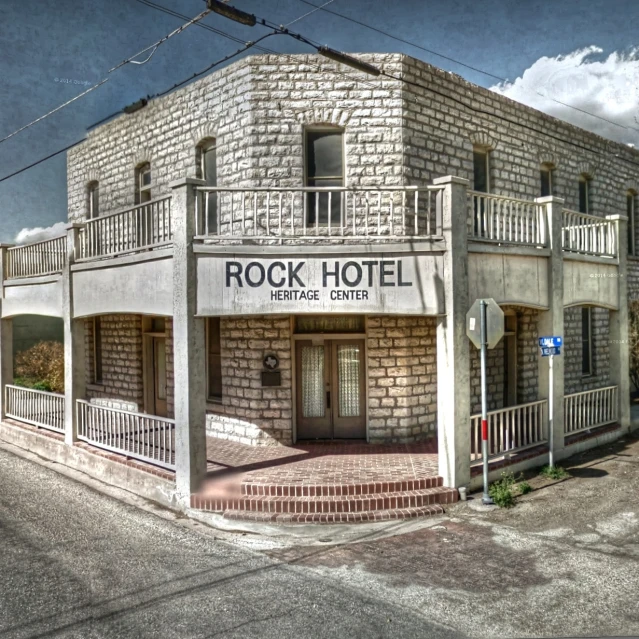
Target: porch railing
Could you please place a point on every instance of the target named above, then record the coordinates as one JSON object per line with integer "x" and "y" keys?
{"x": 137, "y": 435}
{"x": 503, "y": 219}
{"x": 40, "y": 258}
{"x": 331, "y": 213}
{"x": 588, "y": 234}
{"x": 39, "y": 408}
{"x": 510, "y": 429}
{"x": 590, "y": 409}
{"x": 140, "y": 227}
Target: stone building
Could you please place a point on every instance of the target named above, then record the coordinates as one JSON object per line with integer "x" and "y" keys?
{"x": 286, "y": 250}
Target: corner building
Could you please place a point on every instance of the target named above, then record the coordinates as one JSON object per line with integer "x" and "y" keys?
{"x": 286, "y": 250}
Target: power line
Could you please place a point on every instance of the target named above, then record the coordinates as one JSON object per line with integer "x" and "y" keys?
{"x": 131, "y": 60}
{"x": 309, "y": 13}
{"x": 467, "y": 66}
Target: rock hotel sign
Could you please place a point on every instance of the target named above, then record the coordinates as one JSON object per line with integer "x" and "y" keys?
{"x": 319, "y": 284}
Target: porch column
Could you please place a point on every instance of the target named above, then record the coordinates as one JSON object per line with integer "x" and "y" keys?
{"x": 453, "y": 368}
{"x": 189, "y": 346}
{"x": 74, "y": 347}
{"x": 551, "y": 322}
{"x": 619, "y": 333}
{"x": 6, "y": 336}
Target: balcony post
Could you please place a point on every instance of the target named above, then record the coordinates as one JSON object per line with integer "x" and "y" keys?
{"x": 6, "y": 336}
{"x": 453, "y": 369}
{"x": 551, "y": 321}
{"x": 189, "y": 346}
{"x": 619, "y": 333}
{"x": 74, "y": 347}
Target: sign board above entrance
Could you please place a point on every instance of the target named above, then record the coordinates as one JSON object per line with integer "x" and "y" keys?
{"x": 388, "y": 283}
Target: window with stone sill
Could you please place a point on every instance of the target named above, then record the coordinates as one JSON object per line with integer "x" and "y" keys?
{"x": 93, "y": 200}
{"x": 206, "y": 169}
{"x": 546, "y": 175}
{"x": 585, "y": 188}
{"x": 143, "y": 183}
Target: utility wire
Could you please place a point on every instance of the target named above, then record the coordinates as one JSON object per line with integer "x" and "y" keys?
{"x": 131, "y": 60}
{"x": 309, "y": 13}
{"x": 467, "y": 66}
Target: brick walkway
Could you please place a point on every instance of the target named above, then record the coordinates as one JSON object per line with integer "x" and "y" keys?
{"x": 322, "y": 482}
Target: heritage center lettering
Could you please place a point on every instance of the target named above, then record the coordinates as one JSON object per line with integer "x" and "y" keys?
{"x": 291, "y": 279}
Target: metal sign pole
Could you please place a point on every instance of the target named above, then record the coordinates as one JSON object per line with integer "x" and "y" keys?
{"x": 484, "y": 402}
{"x": 551, "y": 398}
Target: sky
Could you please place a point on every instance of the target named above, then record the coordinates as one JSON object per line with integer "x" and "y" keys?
{"x": 581, "y": 53}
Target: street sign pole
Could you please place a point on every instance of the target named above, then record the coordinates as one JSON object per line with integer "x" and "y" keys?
{"x": 551, "y": 399}
{"x": 484, "y": 401}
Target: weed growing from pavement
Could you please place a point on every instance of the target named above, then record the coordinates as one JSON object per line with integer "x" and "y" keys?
{"x": 524, "y": 488}
{"x": 501, "y": 491}
{"x": 553, "y": 472}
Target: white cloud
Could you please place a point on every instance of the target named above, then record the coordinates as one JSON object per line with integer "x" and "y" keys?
{"x": 606, "y": 87}
{"x": 38, "y": 233}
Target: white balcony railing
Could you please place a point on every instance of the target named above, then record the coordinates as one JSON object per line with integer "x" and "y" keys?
{"x": 589, "y": 234}
{"x": 590, "y": 409}
{"x": 502, "y": 219}
{"x": 510, "y": 429}
{"x": 40, "y": 258}
{"x": 39, "y": 408}
{"x": 137, "y": 228}
{"x": 137, "y": 435}
{"x": 331, "y": 213}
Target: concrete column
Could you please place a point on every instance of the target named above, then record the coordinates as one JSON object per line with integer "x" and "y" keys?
{"x": 551, "y": 322}
{"x": 189, "y": 346}
{"x": 74, "y": 346}
{"x": 619, "y": 334}
{"x": 453, "y": 366}
{"x": 6, "y": 336}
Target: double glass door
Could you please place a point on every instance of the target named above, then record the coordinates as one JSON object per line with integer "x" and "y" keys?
{"x": 331, "y": 401}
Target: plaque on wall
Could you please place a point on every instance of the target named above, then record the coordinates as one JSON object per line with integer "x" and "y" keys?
{"x": 271, "y": 378}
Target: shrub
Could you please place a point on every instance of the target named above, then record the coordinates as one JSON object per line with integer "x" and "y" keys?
{"x": 501, "y": 491}
{"x": 553, "y": 472}
{"x": 524, "y": 488}
{"x": 41, "y": 367}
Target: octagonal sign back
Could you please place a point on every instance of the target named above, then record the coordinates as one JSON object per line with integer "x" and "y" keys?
{"x": 494, "y": 323}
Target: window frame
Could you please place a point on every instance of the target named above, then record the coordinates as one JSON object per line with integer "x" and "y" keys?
{"x": 549, "y": 170}
{"x": 587, "y": 365}
{"x": 210, "y": 398}
{"x": 587, "y": 180}
{"x": 98, "y": 371}
{"x": 143, "y": 192}
{"x": 631, "y": 210}
{"x": 93, "y": 198}
{"x": 486, "y": 152}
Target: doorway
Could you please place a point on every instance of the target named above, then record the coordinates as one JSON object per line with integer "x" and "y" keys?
{"x": 331, "y": 389}
{"x": 155, "y": 392}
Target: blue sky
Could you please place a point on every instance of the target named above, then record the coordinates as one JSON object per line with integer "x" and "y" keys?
{"x": 581, "y": 53}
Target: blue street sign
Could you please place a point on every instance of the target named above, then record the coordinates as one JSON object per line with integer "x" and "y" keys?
{"x": 550, "y": 342}
{"x": 546, "y": 351}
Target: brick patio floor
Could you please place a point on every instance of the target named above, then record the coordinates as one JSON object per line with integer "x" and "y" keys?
{"x": 322, "y": 482}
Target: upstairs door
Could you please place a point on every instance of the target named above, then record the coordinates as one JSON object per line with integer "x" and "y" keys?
{"x": 331, "y": 400}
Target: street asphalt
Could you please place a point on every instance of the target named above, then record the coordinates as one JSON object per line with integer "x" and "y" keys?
{"x": 75, "y": 562}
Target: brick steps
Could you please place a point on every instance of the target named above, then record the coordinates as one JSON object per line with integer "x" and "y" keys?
{"x": 331, "y": 503}
{"x": 334, "y": 518}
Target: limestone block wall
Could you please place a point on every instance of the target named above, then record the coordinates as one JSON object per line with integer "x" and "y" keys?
{"x": 527, "y": 365}
{"x": 574, "y": 382}
{"x": 122, "y": 376}
{"x": 250, "y": 413}
{"x": 402, "y": 378}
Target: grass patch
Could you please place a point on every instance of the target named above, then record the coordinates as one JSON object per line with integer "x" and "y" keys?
{"x": 553, "y": 472}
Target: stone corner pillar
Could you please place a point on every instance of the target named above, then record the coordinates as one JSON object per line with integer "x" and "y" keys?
{"x": 453, "y": 366}
{"x": 619, "y": 330}
{"x": 189, "y": 346}
{"x": 6, "y": 335}
{"x": 74, "y": 346}
{"x": 551, "y": 321}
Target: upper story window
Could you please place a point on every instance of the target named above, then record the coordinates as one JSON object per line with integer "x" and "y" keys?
{"x": 206, "y": 155}
{"x": 324, "y": 167}
{"x": 585, "y": 205}
{"x": 143, "y": 183}
{"x": 631, "y": 203}
{"x": 546, "y": 177}
{"x": 586, "y": 341}
{"x": 94, "y": 200}
{"x": 481, "y": 170}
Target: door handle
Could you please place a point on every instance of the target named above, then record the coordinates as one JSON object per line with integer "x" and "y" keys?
{"x": 328, "y": 399}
